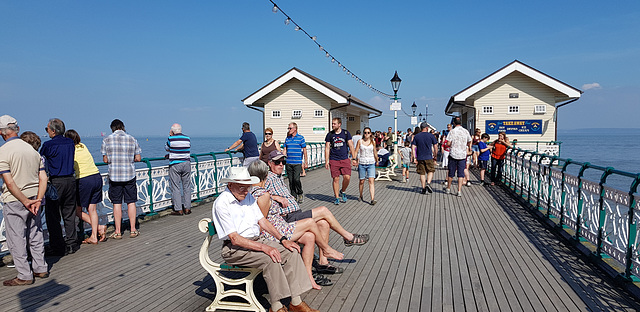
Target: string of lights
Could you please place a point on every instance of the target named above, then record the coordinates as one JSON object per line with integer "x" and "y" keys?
{"x": 297, "y": 27}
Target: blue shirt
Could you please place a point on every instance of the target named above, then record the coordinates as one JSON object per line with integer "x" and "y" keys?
{"x": 179, "y": 148}
{"x": 339, "y": 144}
{"x": 294, "y": 146}
{"x": 250, "y": 144}
{"x": 483, "y": 155}
{"x": 424, "y": 142}
{"x": 59, "y": 153}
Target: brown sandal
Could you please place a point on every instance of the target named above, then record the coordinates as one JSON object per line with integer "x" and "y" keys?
{"x": 102, "y": 237}
{"x": 88, "y": 241}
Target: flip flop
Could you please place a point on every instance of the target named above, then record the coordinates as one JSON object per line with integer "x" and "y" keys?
{"x": 87, "y": 241}
{"x": 328, "y": 269}
{"x": 102, "y": 237}
{"x": 322, "y": 280}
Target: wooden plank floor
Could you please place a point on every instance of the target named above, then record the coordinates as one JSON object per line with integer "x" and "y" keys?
{"x": 435, "y": 252}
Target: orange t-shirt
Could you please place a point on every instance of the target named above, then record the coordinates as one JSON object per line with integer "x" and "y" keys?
{"x": 499, "y": 150}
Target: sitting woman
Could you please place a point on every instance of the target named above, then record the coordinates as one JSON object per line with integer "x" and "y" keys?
{"x": 305, "y": 231}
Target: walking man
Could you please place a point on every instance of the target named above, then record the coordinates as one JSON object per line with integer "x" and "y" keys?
{"x": 295, "y": 148}
{"x": 24, "y": 185}
{"x": 59, "y": 155}
{"x": 338, "y": 146}
{"x": 249, "y": 145}
{"x": 120, "y": 150}
{"x": 424, "y": 146}
{"x": 238, "y": 220}
{"x": 388, "y": 139}
{"x": 179, "y": 148}
{"x": 460, "y": 142}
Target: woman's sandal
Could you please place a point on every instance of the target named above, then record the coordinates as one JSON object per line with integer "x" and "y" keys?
{"x": 115, "y": 235}
{"x": 134, "y": 234}
{"x": 88, "y": 241}
{"x": 102, "y": 237}
{"x": 321, "y": 280}
{"x": 358, "y": 239}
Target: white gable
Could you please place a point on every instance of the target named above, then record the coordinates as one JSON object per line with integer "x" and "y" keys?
{"x": 297, "y": 75}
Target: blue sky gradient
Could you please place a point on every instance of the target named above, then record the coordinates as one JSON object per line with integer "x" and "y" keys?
{"x": 153, "y": 63}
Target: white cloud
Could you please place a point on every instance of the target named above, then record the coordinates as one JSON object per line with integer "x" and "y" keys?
{"x": 589, "y": 86}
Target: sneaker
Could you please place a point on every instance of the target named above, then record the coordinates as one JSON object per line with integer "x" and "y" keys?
{"x": 429, "y": 189}
{"x": 447, "y": 191}
{"x": 459, "y": 193}
{"x": 337, "y": 202}
{"x": 404, "y": 179}
{"x": 343, "y": 197}
{"x": 483, "y": 183}
{"x": 424, "y": 190}
{"x": 373, "y": 202}
{"x": 468, "y": 184}
{"x": 300, "y": 198}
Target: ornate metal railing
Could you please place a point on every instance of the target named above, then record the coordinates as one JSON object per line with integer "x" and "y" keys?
{"x": 154, "y": 191}
{"x": 590, "y": 211}
{"x": 551, "y": 148}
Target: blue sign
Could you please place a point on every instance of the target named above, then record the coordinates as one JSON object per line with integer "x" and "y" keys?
{"x": 514, "y": 126}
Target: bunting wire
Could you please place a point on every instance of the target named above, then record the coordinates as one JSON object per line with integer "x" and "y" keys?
{"x": 297, "y": 27}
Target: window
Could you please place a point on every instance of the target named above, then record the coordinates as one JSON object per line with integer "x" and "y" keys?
{"x": 351, "y": 118}
{"x": 487, "y": 110}
{"x": 540, "y": 109}
{"x": 514, "y": 95}
{"x": 275, "y": 114}
{"x": 514, "y": 110}
{"x": 318, "y": 113}
{"x": 296, "y": 114}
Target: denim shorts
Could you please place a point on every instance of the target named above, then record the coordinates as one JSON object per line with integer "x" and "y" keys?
{"x": 474, "y": 148}
{"x": 366, "y": 171}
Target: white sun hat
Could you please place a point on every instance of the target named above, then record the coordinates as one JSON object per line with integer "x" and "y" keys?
{"x": 240, "y": 175}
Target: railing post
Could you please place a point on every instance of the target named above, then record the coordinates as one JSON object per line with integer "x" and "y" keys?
{"x": 550, "y": 187}
{"x": 197, "y": 179}
{"x": 149, "y": 187}
{"x": 564, "y": 192}
{"x": 542, "y": 156}
{"x": 230, "y": 161}
{"x": 530, "y": 178}
{"x": 215, "y": 171}
{"x": 580, "y": 200}
{"x": 603, "y": 212}
{"x": 522, "y": 168}
{"x": 632, "y": 228}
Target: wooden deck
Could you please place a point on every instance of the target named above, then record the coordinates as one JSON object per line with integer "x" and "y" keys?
{"x": 438, "y": 252}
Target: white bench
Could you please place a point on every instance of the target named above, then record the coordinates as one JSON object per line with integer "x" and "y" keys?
{"x": 385, "y": 173}
{"x": 223, "y": 280}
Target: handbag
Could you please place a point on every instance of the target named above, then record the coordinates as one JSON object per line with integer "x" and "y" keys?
{"x": 51, "y": 192}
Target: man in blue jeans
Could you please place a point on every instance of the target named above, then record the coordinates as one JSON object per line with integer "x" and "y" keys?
{"x": 249, "y": 145}
{"x": 295, "y": 148}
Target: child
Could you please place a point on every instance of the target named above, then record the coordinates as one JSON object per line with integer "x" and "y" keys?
{"x": 405, "y": 152}
{"x": 483, "y": 157}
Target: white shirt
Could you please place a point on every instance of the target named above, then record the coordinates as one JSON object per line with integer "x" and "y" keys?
{"x": 355, "y": 139}
{"x": 458, "y": 139}
{"x": 230, "y": 215}
{"x": 383, "y": 151}
{"x": 365, "y": 154}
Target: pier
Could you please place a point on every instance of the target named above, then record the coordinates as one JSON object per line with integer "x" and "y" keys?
{"x": 482, "y": 252}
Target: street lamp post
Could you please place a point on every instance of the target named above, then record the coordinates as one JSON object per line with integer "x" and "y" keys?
{"x": 395, "y": 84}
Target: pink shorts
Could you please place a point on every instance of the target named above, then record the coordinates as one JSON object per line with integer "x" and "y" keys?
{"x": 340, "y": 167}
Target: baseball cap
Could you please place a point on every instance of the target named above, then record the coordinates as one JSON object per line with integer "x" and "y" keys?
{"x": 5, "y": 120}
{"x": 275, "y": 155}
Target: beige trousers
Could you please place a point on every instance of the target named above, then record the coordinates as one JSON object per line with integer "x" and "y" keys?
{"x": 286, "y": 279}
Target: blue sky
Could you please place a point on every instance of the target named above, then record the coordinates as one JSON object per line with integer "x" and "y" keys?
{"x": 153, "y": 63}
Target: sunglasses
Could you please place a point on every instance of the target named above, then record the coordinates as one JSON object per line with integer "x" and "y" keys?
{"x": 46, "y": 129}
{"x": 290, "y": 128}
{"x": 367, "y": 132}
{"x": 268, "y": 134}
{"x": 280, "y": 162}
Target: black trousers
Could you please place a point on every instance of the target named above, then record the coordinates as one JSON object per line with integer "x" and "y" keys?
{"x": 496, "y": 170}
{"x": 293, "y": 174}
{"x": 62, "y": 209}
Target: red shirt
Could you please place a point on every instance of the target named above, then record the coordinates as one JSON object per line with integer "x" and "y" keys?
{"x": 499, "y": 150}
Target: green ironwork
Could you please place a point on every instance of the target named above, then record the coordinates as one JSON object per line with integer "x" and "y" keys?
{"x": 633, "y": 204}
{"x": 150, "y": 185}
{"x": 538, "y": 191}
{"x": 550, "y": 187}
{"x": 584, "y": 167}
{"x": 602, "y": 212}
{"x": 195, "y": 157}
{"x": 564, "y": 192}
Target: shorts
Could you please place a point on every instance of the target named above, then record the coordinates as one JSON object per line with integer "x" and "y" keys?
{"x": 484, "y": 164}
{"x": 457, "y": 165}
{"x": 425, "y": 166}
{"x": 340, "y": 167}
{"x": 89, "y": 190}
{"x": 475, "y": 148}
{"x": 297, "y": 215}
{"x": 405, "y": 166}
{"x": 123, "y": 190}
{"x": 366, "y": 171}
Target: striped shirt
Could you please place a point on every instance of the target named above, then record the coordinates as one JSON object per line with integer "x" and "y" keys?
{"x": 275, "y": 186}
{"x": 179, "y": 148}
{"x": 294, "y": 146}
{"x": 120, "y": 149}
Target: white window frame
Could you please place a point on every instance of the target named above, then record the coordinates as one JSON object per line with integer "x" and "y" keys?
{"x": 276, "y": 114}
{"x": 487, "y": 110}
{"x": 318, "y": 113}
{"x": 296, "y": 114}
{"x": 540, "y": 109}
{"x": 511, "y": 111}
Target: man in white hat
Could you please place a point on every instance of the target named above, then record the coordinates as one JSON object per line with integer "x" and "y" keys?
{"x": 238, "y": 221}
{"x": 24, "y": 185}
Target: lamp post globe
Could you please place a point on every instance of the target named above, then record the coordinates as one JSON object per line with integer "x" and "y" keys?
{"x": 414, "y": 107}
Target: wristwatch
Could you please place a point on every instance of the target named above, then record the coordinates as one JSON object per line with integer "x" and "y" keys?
{"x": 283, "y": 238}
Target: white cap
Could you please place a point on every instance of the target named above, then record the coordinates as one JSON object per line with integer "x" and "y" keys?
{"x": 5, "y": 120}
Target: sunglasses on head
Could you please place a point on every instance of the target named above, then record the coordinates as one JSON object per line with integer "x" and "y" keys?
{"x": 280, "y": 162}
